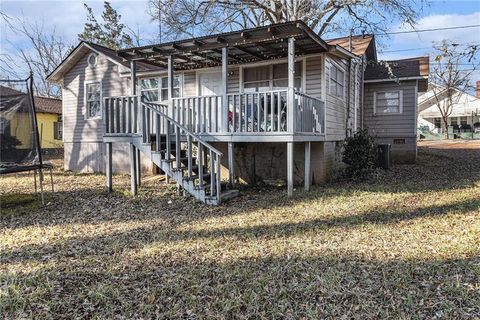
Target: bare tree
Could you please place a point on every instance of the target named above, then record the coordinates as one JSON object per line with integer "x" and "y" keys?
{"x": 194, "y": 17}
{"x": 450, "y": 75}
{"x": 40, "y": 54}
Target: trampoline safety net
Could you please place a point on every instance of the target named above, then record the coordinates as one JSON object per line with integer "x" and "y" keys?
{"x": 18, "y": 135}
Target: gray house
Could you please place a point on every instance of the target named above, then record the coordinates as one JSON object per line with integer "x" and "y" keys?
{"x": 272, "y": 102}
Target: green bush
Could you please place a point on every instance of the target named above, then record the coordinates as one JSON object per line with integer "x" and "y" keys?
{"x": 360, "y": 155}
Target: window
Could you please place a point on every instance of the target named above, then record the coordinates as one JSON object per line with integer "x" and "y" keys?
{"x": 388, "y": 102}
{"x": 454, "y": 121}
{"x": 93, "y": 100}
{"x": 463, "y": 121}
{"x": 57, "y": 130}
{"x": 437, "y": 122}
{"x": 337, "y": 81}
{"x": 271, "y": 77}
{"x": 92, "y": 60}
{"x": 156, "y": 89}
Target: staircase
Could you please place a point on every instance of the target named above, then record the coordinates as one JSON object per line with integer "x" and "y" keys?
{"x": 182, "y": 155}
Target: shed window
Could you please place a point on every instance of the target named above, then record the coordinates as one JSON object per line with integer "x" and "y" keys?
{"x": 437, "y": 122}
{"x": 154, "y": 88}
{"x": 463, "y": 121}
{"x": 454, "y": 121}
{"x": 388, "y": 102}
{"x": 93, "y": 100}
{"x": 337, "y": 81}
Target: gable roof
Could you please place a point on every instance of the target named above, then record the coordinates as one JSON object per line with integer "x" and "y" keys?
{"x": 361, "y": 44}
{"x": 82, "y": 49}
{"x": 48, "y": 105}
{"x": 42, "y": 104}
{"x": 398, "y": 69}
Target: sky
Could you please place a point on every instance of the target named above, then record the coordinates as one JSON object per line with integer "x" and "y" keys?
{"x": 68, "y": 18}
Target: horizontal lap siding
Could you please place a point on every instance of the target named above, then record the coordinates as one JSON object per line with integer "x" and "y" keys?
{"x": 76, "y": 127}
{"x": 189, "y": 84}
{"x": 395, "y": 125}
{"x": 313, "y": 77}
{"x": 336, "y": 108}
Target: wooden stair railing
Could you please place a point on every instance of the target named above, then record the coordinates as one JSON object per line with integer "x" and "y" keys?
{"x": 192, "y": 162}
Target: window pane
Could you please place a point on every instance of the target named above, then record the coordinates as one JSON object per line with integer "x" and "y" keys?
{"x": 333, "y": 73}
{"x": 94, "y": 109}
{"x": 387, "y": 102}
{"x": 149, "y": 83}
{"x": 165, "y": 82}
{"x": 387, "y": 95}
{"x": 164, "y": 94}
{"x": 150, "y": 95}
{"x": 340, "y": 76}
{"x": 256, "y": 73}
{"x": 391, "y": 109}
{"x": 257, "y": 86}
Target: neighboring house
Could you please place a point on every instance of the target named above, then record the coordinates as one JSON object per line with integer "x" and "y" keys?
{"x": 465, "y": 115}
{"x": 49, "y": 121}
{"x": 390, "y": 103}
{"x": 265, "y": 103}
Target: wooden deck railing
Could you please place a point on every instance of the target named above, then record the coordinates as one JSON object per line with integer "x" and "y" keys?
{"x": 310, "y": 114}
{"x": 256, "y": 112}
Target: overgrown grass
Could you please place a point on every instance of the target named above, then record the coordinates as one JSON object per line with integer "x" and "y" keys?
{"x": 405, "y": 245}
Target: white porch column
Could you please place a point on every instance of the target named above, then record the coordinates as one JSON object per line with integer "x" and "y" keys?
{"x": 108, "y": 170}
{"x": 290, "y": 168}
{"x": 170, "y": 85}
{"x": 231, "y": 174}
{"x": 308, "y": 175}
{"x": 133, "y": 77}
{"x": 224, "y": 116}
{"x": 133, "y": 169}
{"x": 291, "y": 110}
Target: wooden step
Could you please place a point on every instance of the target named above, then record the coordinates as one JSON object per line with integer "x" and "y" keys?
{"x": 196, "y": 177}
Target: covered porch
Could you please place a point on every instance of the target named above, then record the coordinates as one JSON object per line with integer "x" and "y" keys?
{"x": 283, "y": 114}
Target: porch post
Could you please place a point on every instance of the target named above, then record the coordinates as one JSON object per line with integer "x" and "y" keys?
{"x": 170, "y": 85}
{"x": 133, "y": 169}
{"x": 224, "y": 116}
{"x": 231, "y": 175}
{"x": 291, "y": 110}
{"x": 138, "y": 164}
{"x": 133, "y": 77}
{"x": 308, "y": 176}
{"x": 290, "y": 168}
{"x": 108, "y": 169}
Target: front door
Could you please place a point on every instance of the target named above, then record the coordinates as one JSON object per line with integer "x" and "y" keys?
{"x": 210, "y": 83}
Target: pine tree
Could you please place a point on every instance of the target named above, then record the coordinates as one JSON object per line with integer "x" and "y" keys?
{"x": 110, "y": 33}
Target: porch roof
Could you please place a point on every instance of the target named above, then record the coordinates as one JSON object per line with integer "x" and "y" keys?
{"x": 248, "y": 45}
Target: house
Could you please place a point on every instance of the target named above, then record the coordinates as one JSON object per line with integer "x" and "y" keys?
{"x": 390, "y": 104}
{"x": 273, "y": 102}
{"x": 49, "y": 120}
{"x": 465, "y": 112}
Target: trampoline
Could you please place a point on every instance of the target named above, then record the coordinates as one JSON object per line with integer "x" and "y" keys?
{"x": 20, "y": 149}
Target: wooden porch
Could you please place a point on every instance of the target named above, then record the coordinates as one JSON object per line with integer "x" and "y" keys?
{"x": 189, "y": 124}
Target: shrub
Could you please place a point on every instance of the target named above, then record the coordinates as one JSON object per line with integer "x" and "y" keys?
{"x": 360, "y": 155}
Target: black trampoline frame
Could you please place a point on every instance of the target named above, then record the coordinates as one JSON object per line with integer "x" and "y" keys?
{"x": 39, "y": 166}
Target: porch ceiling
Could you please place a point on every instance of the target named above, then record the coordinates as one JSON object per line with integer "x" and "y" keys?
{"x": 249, "y": 45}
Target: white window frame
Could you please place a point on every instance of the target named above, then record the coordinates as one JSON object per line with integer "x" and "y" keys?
{"x": 160, "y": 88}
{"x": 333, "y": 64}
{"x": 400, "y": 102}
{"x": 86, "y": 109}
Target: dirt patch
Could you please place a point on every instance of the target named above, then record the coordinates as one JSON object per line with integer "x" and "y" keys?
{"x": 451, "y": 144}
